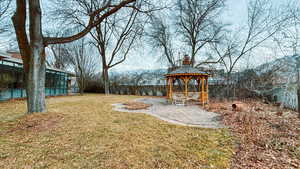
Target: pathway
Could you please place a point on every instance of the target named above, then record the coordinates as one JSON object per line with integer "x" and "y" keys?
{"x": 191, "y": 115}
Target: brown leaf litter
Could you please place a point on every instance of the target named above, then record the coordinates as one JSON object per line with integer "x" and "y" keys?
{"x": 38, "y": 122}
{"x": 267, "y": 135}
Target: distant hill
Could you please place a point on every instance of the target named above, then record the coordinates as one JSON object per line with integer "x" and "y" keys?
{"x": 284, "y": 68}
{"x": 140, "y": 71}
{"x": 140, "y": 77}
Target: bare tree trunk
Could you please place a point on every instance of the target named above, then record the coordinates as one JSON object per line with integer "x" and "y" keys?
{"x": 80, "y": 79}
{"x": 106, "y": 80}
{"x": 82, "y": 86}
{"x": 298, "y": 90}
{"x": 37, "y": 66}
{"x": 298, "y": 94}
{"x": 228, "y": 77}
{"x": 35, "y": 78}
{"x": 33, "y": 54}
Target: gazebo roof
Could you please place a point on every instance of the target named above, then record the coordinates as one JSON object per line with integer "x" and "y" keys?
{"x": 186, "y": 70}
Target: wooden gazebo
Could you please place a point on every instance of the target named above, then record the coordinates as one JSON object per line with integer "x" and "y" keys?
{"x": 185, "y": 74}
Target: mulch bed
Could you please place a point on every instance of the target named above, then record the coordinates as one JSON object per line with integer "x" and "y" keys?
{"x": 267, "y": 135}
{"x": 38, "y": 122}
{"x": 136, "y": 105}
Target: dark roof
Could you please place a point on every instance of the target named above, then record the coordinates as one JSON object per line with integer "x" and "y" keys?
{"x": 186, "y": 69}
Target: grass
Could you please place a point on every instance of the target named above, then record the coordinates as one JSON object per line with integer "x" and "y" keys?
{"x": 84, "y": 132}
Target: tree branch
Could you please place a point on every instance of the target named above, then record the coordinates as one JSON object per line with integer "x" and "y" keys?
{"x": 92, "y": 23}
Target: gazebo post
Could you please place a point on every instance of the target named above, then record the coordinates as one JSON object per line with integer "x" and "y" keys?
{"x": 199, "y": 89}
{"x": 198, "y": 84}
{"x": 171, "y": 88}
{"x": 167, "y": 87}
{"x": 185, "y": 86}
{"x": 206, "y": 79}
{"x": 186, "y": 83}
{"x": 202, "y": 90}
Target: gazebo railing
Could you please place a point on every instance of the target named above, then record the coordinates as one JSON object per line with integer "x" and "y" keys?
{"x": 201, "y": 97}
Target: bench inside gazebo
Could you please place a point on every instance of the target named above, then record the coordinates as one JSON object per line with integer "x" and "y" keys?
{"x": 187, "y": 77}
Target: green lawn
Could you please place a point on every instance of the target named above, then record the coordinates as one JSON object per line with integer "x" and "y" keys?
{"x": 84, "y": 132}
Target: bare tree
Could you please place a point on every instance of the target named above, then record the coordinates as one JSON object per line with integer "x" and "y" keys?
{"x": 195, "y": 23}
{"x": 83, "y": 62}
{"x": 60, "y": 55}
{"x": 294, "y": 9}
{"x": 4, "y": 4}
{"x": 160, "y": 37}
{"x": 32, "y": 45}
{"x": 296, "y": 16}
{"x": 263, "y": 23}
{"x": 4, "y": 10}
{"x": 115, "y": 36}
{"x": 114, "y": 40}
{"x": 198, "y": 23}
{"x": 288, "y": 39}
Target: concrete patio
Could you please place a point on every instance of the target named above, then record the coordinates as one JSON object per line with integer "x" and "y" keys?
{"x": 191, "y": 115}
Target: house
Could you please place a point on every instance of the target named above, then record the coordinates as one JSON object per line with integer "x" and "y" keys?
{"x": 58, "y": 82}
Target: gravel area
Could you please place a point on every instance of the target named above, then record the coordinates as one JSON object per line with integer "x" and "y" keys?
{"x": 191, "y": 115}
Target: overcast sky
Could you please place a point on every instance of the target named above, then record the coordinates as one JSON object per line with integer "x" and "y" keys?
{"x": 235, "y": 13}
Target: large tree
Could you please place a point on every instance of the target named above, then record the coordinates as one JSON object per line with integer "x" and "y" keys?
{"x": 82, "y": 60}
{"x": 78, "y": 57}
{"x": 263, "y": 22}
{"x": 191, "y": 24}
{"x": 197, "y": 23}
{"x": 60, "y": 57}
{"x": 160, "y": 37}
{"x": 288, "y": 40}
{"x": 4, "y": 10}
{"x": 114, "y": 39}
{"x": 116, "y": 36}
{"x": 32, "y": 45}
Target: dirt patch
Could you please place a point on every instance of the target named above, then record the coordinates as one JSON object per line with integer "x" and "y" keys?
{"x": 268, "y": 137}
{"x": 38, "y": 122}
{"x": 136, "y": 105}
